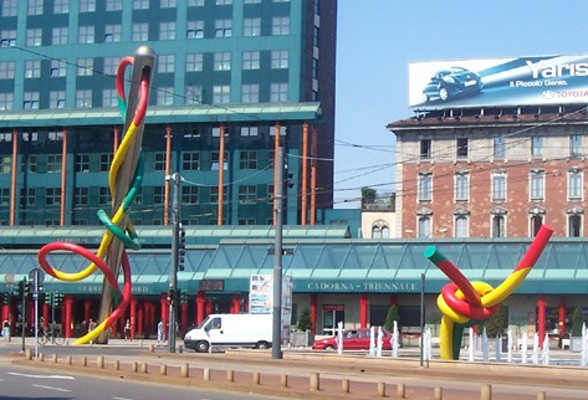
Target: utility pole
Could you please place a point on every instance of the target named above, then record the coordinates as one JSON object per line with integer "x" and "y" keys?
{"x": 277, "y": 294}
{"x": 173, "y": 273}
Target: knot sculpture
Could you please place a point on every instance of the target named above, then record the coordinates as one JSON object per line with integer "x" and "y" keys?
{"x": 119, "y": 226}
{"x": 462, "y": 301}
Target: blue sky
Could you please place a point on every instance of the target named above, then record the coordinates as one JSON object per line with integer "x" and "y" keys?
{"x": 377, "y": 39}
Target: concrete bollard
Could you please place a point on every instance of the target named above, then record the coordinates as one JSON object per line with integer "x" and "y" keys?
{"x": 134, "y": 366}
{"x": 256, "y": 378}
{"x": 54, "y": 358}
{"x": 230, "y": 375}
{"x": 181, "y": 348}
{"x": 151, "y": 348}
{"x": 284, "y": 381}
{"x": 69, "y": 360}
{"x": 185, "y": 370}
{"x": 84, "y": 361}
{"x": 401, "y": 391}
{"x": 144, "y": 368}
{"x": 116, "y": 365}
{"x": 541, "y": 396}
{"x": 486, "y": 392}
{"x": 438, "y": 393}
{"x": 41, "y": 357}
{"x": 28, "y": 354}
{"x": 381, "y": 389}
{"x": 315, "y": 381}
{"x": 100, "y": 362}
{"x": 206, "y": 374}
{"x": 345, "y": 385}
{"x": 163, "y": 369}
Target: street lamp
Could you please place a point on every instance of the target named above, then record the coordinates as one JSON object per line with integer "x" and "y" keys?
{"x": 422, "y": 317}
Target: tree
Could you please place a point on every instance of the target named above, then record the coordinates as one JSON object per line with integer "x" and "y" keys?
{"x": 304, "y": 323}
{"x": 392, "y": 316}
{"x": 577, "y": 322}
{"x": 368, "y": 196}
{"x": 496, "y": 325}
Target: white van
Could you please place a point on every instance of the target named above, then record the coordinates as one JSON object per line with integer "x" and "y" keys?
{"x": 231, "y": 330}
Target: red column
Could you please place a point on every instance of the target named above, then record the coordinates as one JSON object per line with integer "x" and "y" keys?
{"x": 133, "y": 317}
{"x": 46, "y": 312}
{"x": 313, "y": 307}
{"x": 5, "y": 313}
{"x": 207, "y": 307}
{"x": 69, "y": 302}
{"x": 236, "y": 304}
{"x": 87, "y": 308}
{"x": 200, "y": 300}
{"x": 541, "y": 305}
{"x": 184, "y": 317}
{"x": 561, "y": 324}
{"x": 363, "y": 310}
{"x": 393, "y": 300}
{"x": 164, "y": 311}
{"x": 140, "y": 316}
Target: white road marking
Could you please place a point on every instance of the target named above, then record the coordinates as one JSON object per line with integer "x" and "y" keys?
{"x": 120, "y": 398}
{"x": 42, "y": 376}
{"x": 52, "y": 388}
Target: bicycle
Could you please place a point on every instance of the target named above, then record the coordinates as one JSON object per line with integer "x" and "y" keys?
{"x": 47, "y": 336}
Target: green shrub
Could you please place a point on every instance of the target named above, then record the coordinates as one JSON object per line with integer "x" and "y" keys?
{"x": 392, "y": 316}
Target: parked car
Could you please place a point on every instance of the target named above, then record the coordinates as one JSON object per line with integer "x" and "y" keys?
{"x": 354, "y": 339}
{"x": 452, "y": 82}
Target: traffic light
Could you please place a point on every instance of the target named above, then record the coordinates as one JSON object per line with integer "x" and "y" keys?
{"x": 181, "y": 249}
{"x": 171, "y": 296}
{"x": 20, "y": 289}
{"x": 49, "y": 298}
{"x": 290, "y": 180}
{"x": 183, "y": 296}
{"x": 57, "y": 299}
{"x": 6, "y": 298}
{"x": 27, "y": 288}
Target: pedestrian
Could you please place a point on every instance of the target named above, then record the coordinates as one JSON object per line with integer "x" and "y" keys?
{"x": 91, "y": 327}
{"x": 127, "y": 330}
{"x": 160, "y": 333}
{"x": 6, "y": 330}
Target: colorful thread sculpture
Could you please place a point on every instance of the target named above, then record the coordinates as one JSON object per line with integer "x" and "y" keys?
{"x": 120, "y": 218}
{"x": 463, "y": 301}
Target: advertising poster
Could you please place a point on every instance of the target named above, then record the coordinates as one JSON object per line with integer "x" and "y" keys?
{"x": 522, "y": 81}
{"x": 261, "y": 299}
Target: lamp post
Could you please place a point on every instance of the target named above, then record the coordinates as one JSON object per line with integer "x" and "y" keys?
{"x": 422, "y": 317}
{"x": 173, "y": 273}
{"x": 277, "y": 292}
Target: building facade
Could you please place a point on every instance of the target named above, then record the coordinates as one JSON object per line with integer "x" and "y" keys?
{"x": 244, "y": 76}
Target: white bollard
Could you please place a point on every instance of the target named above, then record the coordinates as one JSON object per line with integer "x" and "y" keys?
{"x": 535, "y": 356}
{"x": 372, "y": 342}
{"x": 509, "y": 346}
{"x": 524, "y": 346}
{"x": 380, "y": 342}
{"x": 395, "y": 339}
{"x": 472, "y": 348}
{"x": 340, "y": 338}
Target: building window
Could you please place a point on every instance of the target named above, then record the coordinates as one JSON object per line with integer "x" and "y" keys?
{"x": 112, "y": 33}
{"x": 165, "y": 63}
{"x": 57, "y": 99}
{"x": 250, "y": 93}
{"x": 34, "y": 37}
{"x": 191, "y": 161}
{"x": 248, "y": 159}
{"x": 168, "y": 3}
{"x": 537, "y": 185}
{"x": 60, "y": 6}
{"x": 250, "y": 60}
{"x": 575, "y": 145}
{"x": 4, "y": 197}
{"x": 32, "y": 69}
{"x": 86, "y": 34}
{"x": 280, "y": 59}
{"x": 194, "y": 62}
{"x": 425, "y": 149}
{"x": 247, "y": 194}
{"x": 278, "y": 92}
{"x": 213, "y": 199}
{"x": 575, "y": 225}
{"x": 140, "y": 32}
{"x": 9, "y": 8}
{"x": 28, "y": 197}
{"x": 85, "y": 66}
{"x": 158, "y": 195}
{"x": 462, "y": 148}
{"x": 7, "y": 69}
{"x": 7, "y": 38}
{"x": 193, "y": 94}
{"x": 53, "y": 163}
{"x": 425, "y": 187}
{"x": 83, "y": 98}
{"x": 195, "y": 30}
{"x": 424, "y": 227}
{"x": 499, "y": 148}
{"x": 35, "y": 7}
{"x": 461, "y": 226}
{"x": 537, "y": 146}
{"x": 249, "y": 131}
{"x": 215, "y": 162}
{"x": 224, "y": 2}
{"x": 29, "y": 164}
{"x": 105, "y": 161}
{"x": 189, "y": 195}
{"x": 499, "y": 186}
{"x": 165, "y": 96}
{"x": 59, "y": 35}
{"x": 252, "y": 27}
{"x": 58, "y": 68}
{"x": 167, "y": 30}
{"x": 140, "y": 4}
{"x": 53, "y": 196}
{"x": 109, "y": 98}
{"x": 222, "y": 61}
{"x": 6, "y": 101}
{"x": 87, "y": 5}
{"x": 5, "y": 164}
{"x": 575, "y": 184}
{"x": 195, "y": 3}
{"x": 111, "y": 65}
{"x": 280, "y": 26}
{"x": 536, "y": 222}
{"x": 221, "y": 94}
{"x": 223, "y": 28}
{"x": 82, "y": 163}
{"x": 104, "y": 197}
{"x": 462, "y": 186}
{"x": 498, "y": 229}
{"x": 81, "y": 196}
{"x": 114, "y": 5}
{"x": 159, "y": 161}
{"x": 30, "y": 101}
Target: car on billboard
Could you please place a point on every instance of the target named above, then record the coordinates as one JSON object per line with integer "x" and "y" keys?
{"x": 452, "y": 82}
{"x": 354, "y": 339}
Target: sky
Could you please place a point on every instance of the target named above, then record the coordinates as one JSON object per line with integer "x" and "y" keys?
{"x": 376, "y": 41}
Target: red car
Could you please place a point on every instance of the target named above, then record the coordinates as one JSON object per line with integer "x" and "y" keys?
{"x": 354, "y": 339}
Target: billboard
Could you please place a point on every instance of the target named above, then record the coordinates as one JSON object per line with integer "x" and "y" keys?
{"x": 521, "y": 81}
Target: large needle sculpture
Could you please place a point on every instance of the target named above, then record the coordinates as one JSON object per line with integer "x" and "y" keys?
{"x": 124, "y": 179}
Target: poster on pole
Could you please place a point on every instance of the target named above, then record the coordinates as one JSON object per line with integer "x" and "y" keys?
{"x": 261, "y": 299}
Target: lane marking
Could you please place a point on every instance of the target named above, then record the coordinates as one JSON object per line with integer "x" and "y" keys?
{"x": 42, "y": 376}
{"x": 52, "y": 388}
{"x": 121, "y": 398}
